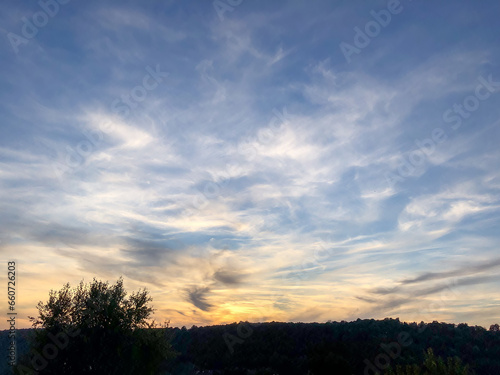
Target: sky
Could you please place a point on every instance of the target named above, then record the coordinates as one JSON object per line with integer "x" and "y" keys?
{"x": 255, "y": 160}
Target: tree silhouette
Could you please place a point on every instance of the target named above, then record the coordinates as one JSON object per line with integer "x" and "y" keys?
{"x": 433, "y": 366}
{"x": 96, "y": 329}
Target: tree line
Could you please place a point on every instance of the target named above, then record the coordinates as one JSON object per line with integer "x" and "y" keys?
{"x": 97, "y": 328}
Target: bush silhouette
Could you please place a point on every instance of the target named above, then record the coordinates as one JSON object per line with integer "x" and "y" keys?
{"x": 96, "y": 329}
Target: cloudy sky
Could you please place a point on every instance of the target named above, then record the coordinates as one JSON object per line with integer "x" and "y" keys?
{"x": 255, "y": 160}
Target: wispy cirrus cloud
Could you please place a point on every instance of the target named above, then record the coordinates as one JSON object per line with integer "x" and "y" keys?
{"x": 250, "y": 183}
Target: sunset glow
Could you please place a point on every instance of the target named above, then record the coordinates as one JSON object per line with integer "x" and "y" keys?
{"x": 256, "y": 164}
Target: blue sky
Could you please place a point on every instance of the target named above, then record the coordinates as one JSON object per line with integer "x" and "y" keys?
{"x": 255, "y": 160}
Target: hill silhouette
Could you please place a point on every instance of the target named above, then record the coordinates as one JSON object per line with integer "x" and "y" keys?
{"x": 358, "y": 347}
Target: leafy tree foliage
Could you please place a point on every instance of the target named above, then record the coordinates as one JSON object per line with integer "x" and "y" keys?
{"x": 279, "y": 348}
{"x": 335, "y": 348}
{"x": 433, "y": 366}
{"x": 96, "y": 329}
